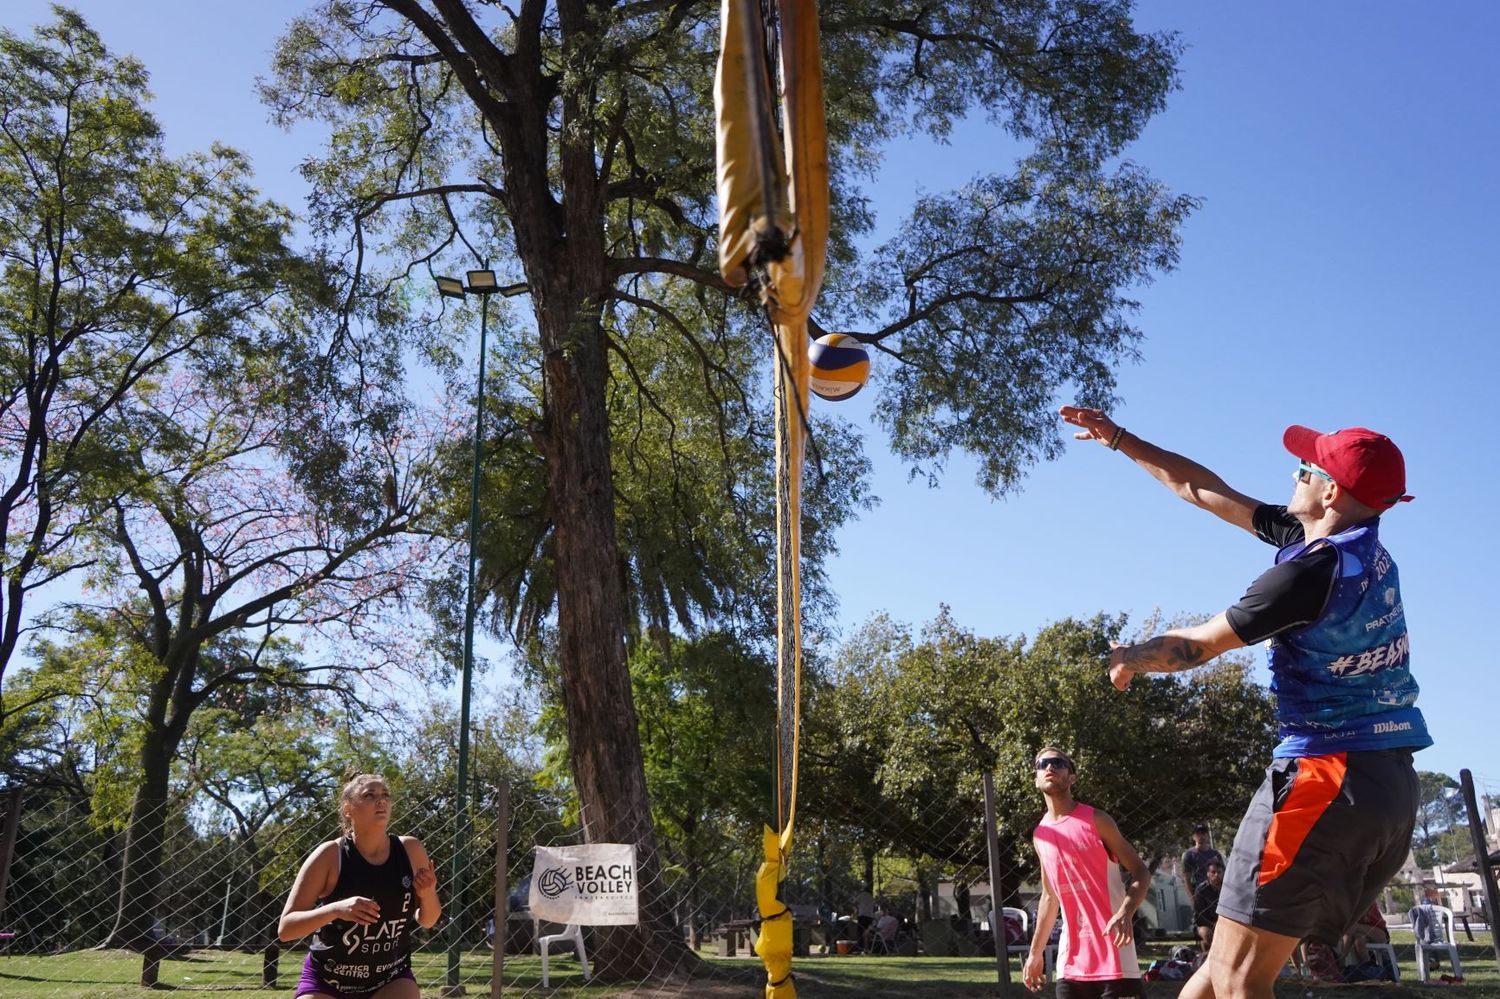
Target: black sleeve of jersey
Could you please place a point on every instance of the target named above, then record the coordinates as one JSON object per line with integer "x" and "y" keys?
{"x": 1285, "y": 596}
{"x": 1275, "y": 526}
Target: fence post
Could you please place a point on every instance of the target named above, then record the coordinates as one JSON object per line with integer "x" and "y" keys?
{"x": 502, "y": 892}
{"x": 1482, "y": 859}
{"x": 151, "y": 963}
{"x": 269, "y": 961}
{"x": 997, "y": 917}
{"x": 8, "y": 847}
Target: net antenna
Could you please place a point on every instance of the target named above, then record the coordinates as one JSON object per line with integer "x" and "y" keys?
{"x": 772, "y": 174}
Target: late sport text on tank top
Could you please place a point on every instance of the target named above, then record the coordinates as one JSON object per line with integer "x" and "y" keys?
{"x": 1089, "y": 889}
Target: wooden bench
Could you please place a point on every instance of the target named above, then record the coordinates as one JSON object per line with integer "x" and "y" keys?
{"x": 730, "y": 937}
{"x": 735, "y": 934}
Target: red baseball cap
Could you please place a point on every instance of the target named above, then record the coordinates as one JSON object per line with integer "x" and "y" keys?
{"x": 1367, "y": 464}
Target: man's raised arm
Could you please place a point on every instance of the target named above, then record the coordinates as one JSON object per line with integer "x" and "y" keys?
{"x": 1186, "y": 478}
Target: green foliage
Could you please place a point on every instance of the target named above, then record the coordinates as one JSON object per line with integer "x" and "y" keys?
{"x": 1453, "y": 845}
{"x": 502, "y": 752}
{"x": 705, "y": 708}
{"x": 1440, "y": 808}
{"x": 692, "y": 447}
{"x": 120, "y": 266}
{"x": 903, "y": 735}
{"x": 988, "y": 302}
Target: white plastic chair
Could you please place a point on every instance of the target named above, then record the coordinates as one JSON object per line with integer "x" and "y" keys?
{"x": 1444, "y": 916}
{"x": 1049, "y": 953}
{"x": 571, "y": 935}
{"x": 1390, "y": 951}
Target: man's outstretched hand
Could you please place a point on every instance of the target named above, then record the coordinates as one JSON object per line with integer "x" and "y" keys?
{"x": 1096, "y": 423}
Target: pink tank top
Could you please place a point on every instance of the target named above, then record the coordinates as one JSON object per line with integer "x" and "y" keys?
{"x": 1089, "y": 887}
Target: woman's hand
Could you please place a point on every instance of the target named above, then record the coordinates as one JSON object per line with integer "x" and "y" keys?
{"x": 356, "y": 909}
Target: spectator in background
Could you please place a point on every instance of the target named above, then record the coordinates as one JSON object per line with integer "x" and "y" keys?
{"x": 828, "y": 924}
{"x": 1354, "y": 948}
{"x": 880, "y": 938}
{"x": 864, "y": 912}
{"x": 1196, "y": 858}
{"x": 1206, "y": 904}
{"x": 963, "y": 902}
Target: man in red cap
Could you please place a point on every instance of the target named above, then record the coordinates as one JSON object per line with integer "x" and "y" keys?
{"x": 1332, "y": 823}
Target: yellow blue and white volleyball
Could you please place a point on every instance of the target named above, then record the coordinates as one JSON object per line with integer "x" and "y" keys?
{"x": 840, "y": 366}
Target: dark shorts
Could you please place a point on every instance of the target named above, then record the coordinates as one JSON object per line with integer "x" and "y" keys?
{"x": 311, "y": 981}
{"x": 1115, "y": 988}
{"x": 1322, "y": 836}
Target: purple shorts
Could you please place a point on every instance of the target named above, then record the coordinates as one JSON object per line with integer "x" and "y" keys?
{"x": 313, "y": 982}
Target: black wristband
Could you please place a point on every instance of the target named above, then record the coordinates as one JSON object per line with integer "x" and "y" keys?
{"x": 1114, "y": 441}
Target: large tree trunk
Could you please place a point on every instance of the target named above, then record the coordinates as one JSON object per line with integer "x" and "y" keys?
{"x": 253, "y": 915}
{"x": 140, "y": 873}
{"x": 603, "y": 739}
{"x": 565, "y": 258}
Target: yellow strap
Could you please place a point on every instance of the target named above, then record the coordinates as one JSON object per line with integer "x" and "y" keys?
{"x": 796, "y": 281}
{"x": 767, "y": 193}
{"x": 752, "y": 185}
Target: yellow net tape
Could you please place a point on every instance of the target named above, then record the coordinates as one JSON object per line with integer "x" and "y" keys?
{"x": 773, "y": 227}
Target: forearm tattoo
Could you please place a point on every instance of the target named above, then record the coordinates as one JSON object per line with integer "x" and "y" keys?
{"x": 1165, "y": 654}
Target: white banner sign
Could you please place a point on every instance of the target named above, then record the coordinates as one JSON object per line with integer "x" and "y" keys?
{"x": 590, "y": 885}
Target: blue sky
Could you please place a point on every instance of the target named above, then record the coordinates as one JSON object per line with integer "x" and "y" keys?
{"x": 1345, "y": 154}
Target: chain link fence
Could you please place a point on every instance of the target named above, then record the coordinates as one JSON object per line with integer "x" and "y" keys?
{"x": 872, "y": 888}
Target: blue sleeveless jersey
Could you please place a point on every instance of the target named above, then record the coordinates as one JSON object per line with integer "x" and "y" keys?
{"x": 1344, "y": 683}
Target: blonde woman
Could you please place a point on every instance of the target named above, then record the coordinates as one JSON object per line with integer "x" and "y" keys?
{"x": 359, "y": 895}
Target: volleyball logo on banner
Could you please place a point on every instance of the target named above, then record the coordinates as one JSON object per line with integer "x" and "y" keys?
{"x": 593, "y": 884}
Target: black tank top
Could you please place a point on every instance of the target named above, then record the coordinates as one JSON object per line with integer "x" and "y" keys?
{"x": 356, "y": 958}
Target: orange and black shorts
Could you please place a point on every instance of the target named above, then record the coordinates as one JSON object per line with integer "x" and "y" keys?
{"x": 1322, "y": 836}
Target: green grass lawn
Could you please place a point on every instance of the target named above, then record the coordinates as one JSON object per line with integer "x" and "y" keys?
{"x": 116, "y": 975}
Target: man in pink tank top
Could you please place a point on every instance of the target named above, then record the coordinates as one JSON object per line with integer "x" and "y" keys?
{"x": 1081, "y": 853}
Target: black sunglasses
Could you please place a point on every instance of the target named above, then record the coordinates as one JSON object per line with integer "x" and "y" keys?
{"x": 1053, "y": 763}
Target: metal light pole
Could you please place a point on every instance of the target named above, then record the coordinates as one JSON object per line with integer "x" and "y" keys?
{"x": 997, "y": 911}
{"x": 481, "y": 283}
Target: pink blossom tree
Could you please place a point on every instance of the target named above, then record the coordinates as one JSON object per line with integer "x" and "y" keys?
{"x": 241, "y": 518}
{"x": 116, "y": 262}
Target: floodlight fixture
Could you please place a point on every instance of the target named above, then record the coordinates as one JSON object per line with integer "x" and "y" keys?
{"x": 483, "y": 282}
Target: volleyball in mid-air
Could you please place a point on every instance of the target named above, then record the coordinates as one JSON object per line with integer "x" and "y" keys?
{"x": 840, "y": 366}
